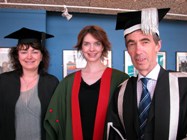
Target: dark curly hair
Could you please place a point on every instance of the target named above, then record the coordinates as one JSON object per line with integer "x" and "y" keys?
{"x": 99, "y": 34}
{"x": 13, "y": 54}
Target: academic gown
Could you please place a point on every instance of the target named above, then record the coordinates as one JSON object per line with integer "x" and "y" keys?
{"x": 9, "y": 94}
{"x": 63, "y": 122}
{"x": 158, "y": 122}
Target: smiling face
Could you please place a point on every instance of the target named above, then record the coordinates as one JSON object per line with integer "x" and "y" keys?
{"x": 29, "y": 58}
{"x": 91, "y": 48}
{"x": 143, "y": 51}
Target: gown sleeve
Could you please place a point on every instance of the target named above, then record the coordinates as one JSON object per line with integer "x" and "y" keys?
{"x": 54, "y": 120}
{"x": 114, "y": 128}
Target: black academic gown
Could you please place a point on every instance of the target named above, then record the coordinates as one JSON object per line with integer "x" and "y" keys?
{"x": 9, "y": 94}
{"x": 158, "y": 120}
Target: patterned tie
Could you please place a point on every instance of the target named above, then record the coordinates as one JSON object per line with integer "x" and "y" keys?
{"x": 144, "y": 106}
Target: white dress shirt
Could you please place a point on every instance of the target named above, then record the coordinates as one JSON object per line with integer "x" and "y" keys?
{"x": 151, "y": 84}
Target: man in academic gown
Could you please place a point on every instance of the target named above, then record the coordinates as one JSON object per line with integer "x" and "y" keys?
{"x": 167, "y": 111}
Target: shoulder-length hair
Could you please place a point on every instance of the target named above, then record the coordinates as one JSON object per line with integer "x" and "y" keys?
{"x": 99, "y": 34}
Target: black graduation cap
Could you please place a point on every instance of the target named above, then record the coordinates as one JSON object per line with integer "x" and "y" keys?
{"x": 132, "y": 21}
{"x": 25, "y": 35}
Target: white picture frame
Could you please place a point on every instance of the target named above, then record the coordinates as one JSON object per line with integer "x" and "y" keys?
{"x": 5, "y": 64}
{"x": 181, "y": 61}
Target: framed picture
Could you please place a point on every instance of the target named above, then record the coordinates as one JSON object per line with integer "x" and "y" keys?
{"x": 161, "y": 59}
{"x": 128, "y": 66}
{"x": 131, "y": 70}
{"x": 73, "y": 61}
{"x": 5, "y": 64}
{"x": 181, "y": 61}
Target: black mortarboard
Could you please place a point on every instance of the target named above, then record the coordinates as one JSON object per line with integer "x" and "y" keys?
{"x": 146, "y": 20}
{"x": 25, "y": 35}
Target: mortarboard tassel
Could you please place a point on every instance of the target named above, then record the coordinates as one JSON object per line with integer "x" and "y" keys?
{"x": 149, "y": 21}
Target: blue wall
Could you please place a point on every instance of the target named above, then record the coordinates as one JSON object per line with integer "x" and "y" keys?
{"x": 13, "y": 19}
{"x": 173, "y": 34}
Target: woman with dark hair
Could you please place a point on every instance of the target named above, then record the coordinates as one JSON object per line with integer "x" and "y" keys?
{"x": 26, "y": 91}
{"x": 77, "y": 111}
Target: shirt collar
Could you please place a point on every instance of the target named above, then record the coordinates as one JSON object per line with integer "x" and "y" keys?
{"x": 153, "y": 74}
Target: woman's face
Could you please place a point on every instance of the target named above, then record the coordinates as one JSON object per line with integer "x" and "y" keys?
{"x": 91, "y": 48}
{"x": 30, "y": 58}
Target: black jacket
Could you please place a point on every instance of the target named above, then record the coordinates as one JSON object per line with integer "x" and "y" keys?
{"x": 158, "y": 122}
{"x": 9, "y": 94}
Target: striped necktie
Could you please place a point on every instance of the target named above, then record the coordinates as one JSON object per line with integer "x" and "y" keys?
{"x": 144, "y": 106}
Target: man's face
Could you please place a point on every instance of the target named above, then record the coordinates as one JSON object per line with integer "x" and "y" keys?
{"x": 143, "y": 51}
